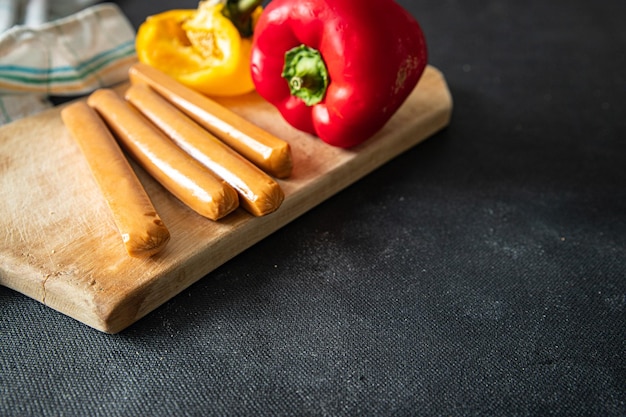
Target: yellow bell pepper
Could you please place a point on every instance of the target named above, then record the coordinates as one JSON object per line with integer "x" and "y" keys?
{"x": 207, "y": 49}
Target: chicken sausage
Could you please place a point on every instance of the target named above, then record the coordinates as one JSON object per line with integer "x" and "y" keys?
{"x": 142, "y": 230}
{"x": 268, "y": 152}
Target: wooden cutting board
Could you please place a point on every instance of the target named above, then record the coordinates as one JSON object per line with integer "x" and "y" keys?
{"x": 59, "y": 244}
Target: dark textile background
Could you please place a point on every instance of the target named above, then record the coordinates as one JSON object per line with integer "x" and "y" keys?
{"x": 482, "y": 273}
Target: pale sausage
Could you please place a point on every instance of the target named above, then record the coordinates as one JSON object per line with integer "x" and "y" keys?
{"x": 142, "y": 230}
{"x": 259, "y": 194}
{"x": 179, "y": 173}
{"x": 265, "y": 150}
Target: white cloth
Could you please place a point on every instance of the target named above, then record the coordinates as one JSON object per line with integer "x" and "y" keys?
{"x": 68, "y": 56}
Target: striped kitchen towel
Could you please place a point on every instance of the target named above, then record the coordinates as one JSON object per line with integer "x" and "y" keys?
{"x": 70, "y": 56}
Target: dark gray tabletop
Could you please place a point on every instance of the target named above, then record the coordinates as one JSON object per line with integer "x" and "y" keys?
{"x": 481, "y": 273}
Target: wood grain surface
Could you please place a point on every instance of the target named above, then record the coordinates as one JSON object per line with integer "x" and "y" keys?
{"x": 59, "y": 244}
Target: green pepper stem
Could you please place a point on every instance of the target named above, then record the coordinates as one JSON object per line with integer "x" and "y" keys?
{"x": 306, "y": 74}
{"x": 247, "y": 6}
{"x": 240, "y": 13}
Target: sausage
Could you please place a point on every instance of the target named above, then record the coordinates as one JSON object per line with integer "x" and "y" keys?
{"x": 259, "y": 194}
{"x": 268, "y": 152}
{"x": 142, "y": 230}
{"x": 175, "y": 170}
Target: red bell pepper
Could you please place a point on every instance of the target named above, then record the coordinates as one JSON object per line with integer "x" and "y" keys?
{"x": 338, "y": 69}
